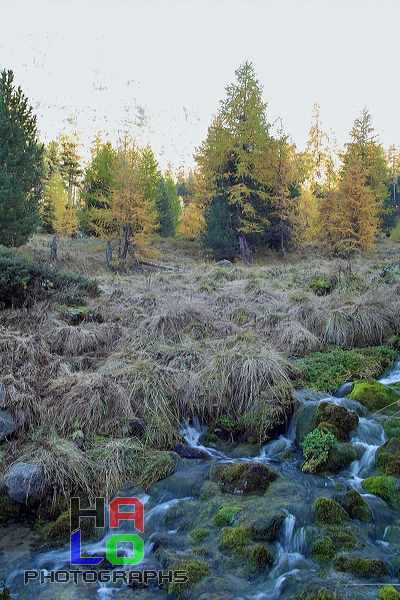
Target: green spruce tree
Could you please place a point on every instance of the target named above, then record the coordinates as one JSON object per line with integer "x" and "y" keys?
{"x": 21, "y": 165}
{"x": 165, "y": 227}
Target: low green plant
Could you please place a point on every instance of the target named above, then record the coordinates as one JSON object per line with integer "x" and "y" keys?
{"x": 388, "y": 592}
{"x": 316, "y": 448}
{"x": 321, "y": 287}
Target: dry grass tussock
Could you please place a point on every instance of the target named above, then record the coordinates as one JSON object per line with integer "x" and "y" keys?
{"x": 294, "y": 339}
{"x": 70, "y": 340}
{"x": 64, "y": 468}
{"x": 170, "y": 322}
{"x": 366, "y": 323}
{"x": 235, "y": 375}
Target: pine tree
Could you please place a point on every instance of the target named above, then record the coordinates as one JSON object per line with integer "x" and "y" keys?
{"x": 166, "y": 225}
{"x": 70, "y": 165}
{"x": 126, "y": 220}
{"x": 220, "y": 235}
{"x": 21, "y": 165}
{"x": 52, "y": 164}
{"x": 97, "y": 183}
{"x": 174, "y": 200}
{"x": 236, "y": 150}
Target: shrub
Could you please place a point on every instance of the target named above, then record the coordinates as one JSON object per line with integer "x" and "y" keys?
{"x": 321, "y": 287}
{"x": 316, "y": 448}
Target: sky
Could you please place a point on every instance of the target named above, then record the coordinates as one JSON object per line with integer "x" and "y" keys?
{"x": 160, "y": 67}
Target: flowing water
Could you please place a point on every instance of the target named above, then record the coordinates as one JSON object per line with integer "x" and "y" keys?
{"x": 291, "y": 567}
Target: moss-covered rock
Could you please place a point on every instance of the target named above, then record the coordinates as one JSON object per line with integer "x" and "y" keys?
{"x": 384, "y": 487}
{"x": 388, "y": 592}
{"x": 305, "y": 420}
{"x": 392, "y": 427}
{"x": 195, "y": 571}
{"x": 393, "y": 534}
{"x": 323, "y": 550}
{"x": 337, "y": 419}
{"x": 387, "y": 458}
{"x": 198, "y": 535}
{"x": 373, "y": 394}
{"x": 234, "y": 539}
{"x": 58, "y": 532}
{"x": 362, "y": 567}
{"x": 318, "y": 593}
{"x": 328, "y": 511}
{"x": 259, "y": 557}
{"x": 226, "y": 514}
{"x": 244, "y": 478}
{"x": 265, "y": 525}
{"x": 342, "y": 536}
{"x": 339, "y": 458}
{"x": 355, "y": 506}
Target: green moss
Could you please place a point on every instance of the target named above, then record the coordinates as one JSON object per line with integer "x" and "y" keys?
{"x": 58, "y": 532}
{"x": 195, "y": 571}
{"x": 318, "y": 594}
{"x": 373, "y": 394}
{"x": 226, "y": 513}
{"x": 393, "y": 534}
{"x": 388, "y": 592}
{"x": 339, "y": 458}
{"x": 209, "y": 490}
{"x": 245, "y": 478}
{"x": 342, "y": 536}
{"x": 328, "y": 511}
{"x": 392, "y": 427}
{"x": 356, "y": 507}
{"x": 234, "y": 539}
{"x": 363, "y": 567}
{"x": 387, "y": 458}
{"x": 198, "y": 535}
{"x": 323, "y": 550}
{"x": 384, "y": 487}
{"x": 259, "y": 557}
{"x": 327, "y": 371}
{"x": 338, "y": 419}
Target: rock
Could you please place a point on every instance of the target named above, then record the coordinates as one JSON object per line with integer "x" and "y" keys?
{"x": 391, "y": 274}
{"x": 342, "y": 420}
{"x": 384, "y": 487}
{"x": 305, "y": 420}
{"x": 373, "y": 394}
{"x": 355, "y": 506}
{"x": 266, "y": 524}
{"x": 387, "y": 458}
{"x": 329, "y": 512}
{"x": 23, "y": 482}
{"x": 137, "y": 427}
{"x": 8, "y": 423}
{"x": 244, "y": 478}
{"x": 2, "y": 394}
{"x": 339, "y": 458}
{"x": 363, "y": 567}
{"x": 323, "y": 550}
{"x": 186, "y": 451}
{"x": 259, "y": 557}
{"x": 223, "y": 263}
{"x": 177, "y": 460}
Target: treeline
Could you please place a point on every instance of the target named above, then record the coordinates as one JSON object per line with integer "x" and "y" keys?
{"x": 251, "y": 188}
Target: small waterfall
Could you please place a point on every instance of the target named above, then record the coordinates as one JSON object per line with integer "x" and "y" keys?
{"x": 393, "y": 376}
{"x": 192, "y": 432}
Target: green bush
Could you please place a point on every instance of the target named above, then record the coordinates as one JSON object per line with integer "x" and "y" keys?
{"x": 22, "y": 281}
{"x": 316, "y": 448}
{"x": 321, "y": 287}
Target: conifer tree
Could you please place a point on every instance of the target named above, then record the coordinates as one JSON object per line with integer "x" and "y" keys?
{"x": 21, "y": 165}
{"x": 166, "y": 225}
{"x": 220, "y": 235}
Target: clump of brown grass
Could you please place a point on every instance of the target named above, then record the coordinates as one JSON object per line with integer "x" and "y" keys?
{"x": 65, "y": 469}
{"x": 91, "y": 402}
{"x": 171, "y": 321}
{"x": 367, "y": 323}
{"x": 310, "y": 313}
{"x": 295, "y": 339}
{"x": 70, "y": 340}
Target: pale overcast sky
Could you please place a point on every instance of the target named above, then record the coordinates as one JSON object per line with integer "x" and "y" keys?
{"x": 107, "y": 64}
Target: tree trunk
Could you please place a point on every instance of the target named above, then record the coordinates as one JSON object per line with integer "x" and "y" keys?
{"x": 127, "y": 235}
{"x": 244, "y": 250}
{"x": 108, "y": 254}
{"x": 53, "y": 251}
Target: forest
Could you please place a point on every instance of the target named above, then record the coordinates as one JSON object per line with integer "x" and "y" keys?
{"x": 221, "y": 342}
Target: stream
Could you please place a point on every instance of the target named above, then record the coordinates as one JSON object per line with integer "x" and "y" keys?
{"x": 291, "y": 567}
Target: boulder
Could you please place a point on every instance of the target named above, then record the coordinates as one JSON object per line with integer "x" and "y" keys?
{"x": 391, "y": 274}
{"x": 186, "y": 451}
{"x": 23, "y": 482}
{"x": 339, "y": 458}
{"x": 329, "y": 512}
{"x": 223, "y": 263}
{"x": 340, "y": 420}
{"x": 355, "y": 506}
{"x": 8, "y": 424}
{"x": 244, "y": 478}
{"x": 387, "y": 458}
{"x": 373, "y": 394}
